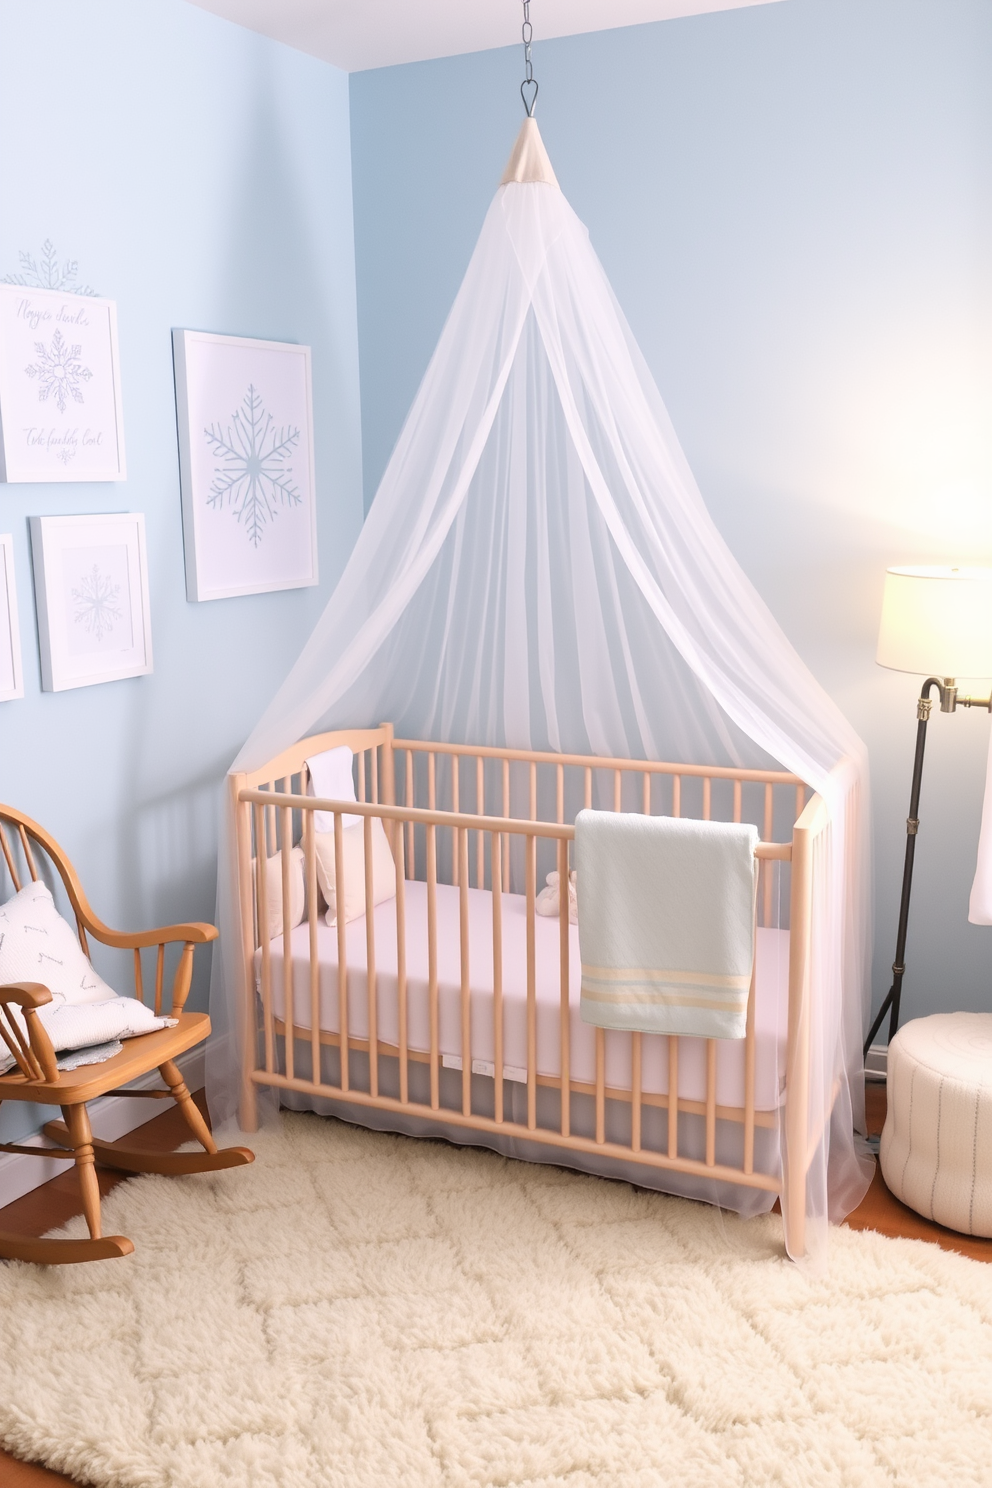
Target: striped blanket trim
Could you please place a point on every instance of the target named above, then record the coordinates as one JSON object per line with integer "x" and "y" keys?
{"x": 665, "y": 1001}
{"x": 668, "y": 999}
{"x": 648, "y": 976}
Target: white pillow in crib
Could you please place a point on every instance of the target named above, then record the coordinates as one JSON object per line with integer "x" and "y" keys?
{"x": 38, "y": 945}
{"x": 331, "y": 777}
{"x": 353, "y": 855}
{"x": 273, "y": 890}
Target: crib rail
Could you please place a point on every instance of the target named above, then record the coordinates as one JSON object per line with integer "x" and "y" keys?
{"x": 299, "y": 1054}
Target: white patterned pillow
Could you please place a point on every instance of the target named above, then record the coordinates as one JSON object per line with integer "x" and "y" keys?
{"x": 80, "y": 1025}
{"x": 38, "y": 945}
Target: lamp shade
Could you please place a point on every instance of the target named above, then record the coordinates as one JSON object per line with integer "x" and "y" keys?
{"x": 937, "y": 621}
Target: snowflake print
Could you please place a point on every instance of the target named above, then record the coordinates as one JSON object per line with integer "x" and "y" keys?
{"x": 97, "y": 603}
{"x": 49, "y": 273}
{"x": 253, "y": 473}
{"x": 59, "y": 371}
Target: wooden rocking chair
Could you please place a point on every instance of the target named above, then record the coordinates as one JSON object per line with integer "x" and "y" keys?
{"x": 36, "y": 1077}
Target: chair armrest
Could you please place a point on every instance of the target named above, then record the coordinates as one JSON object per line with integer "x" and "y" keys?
{"x": 34, "y": 1056}
{"x": 195, "y": 933}
{"x": 25, "y": 994}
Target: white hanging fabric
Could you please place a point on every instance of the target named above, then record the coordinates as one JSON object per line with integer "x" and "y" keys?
{"x": 980, "y": 901}
{"x": 538, "y": 570}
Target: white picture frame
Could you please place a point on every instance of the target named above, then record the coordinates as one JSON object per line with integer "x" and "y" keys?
{"x": 91, "y": 590}
{"x": 60, "y": 387}
{"x": 244, "y": 411}
{"x": 11, "y": 667}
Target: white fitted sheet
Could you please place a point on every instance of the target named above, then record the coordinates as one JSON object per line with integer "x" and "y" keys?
{"x": 771, "y": 998}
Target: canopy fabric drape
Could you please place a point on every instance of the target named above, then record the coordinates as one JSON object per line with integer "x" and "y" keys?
{"x": 538, "y": 570}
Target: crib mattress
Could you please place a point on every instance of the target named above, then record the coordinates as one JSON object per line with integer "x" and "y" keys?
{"x": 771, "y": 999}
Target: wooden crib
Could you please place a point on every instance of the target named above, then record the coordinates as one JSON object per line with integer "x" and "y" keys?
{"x": 414, "y": 1008}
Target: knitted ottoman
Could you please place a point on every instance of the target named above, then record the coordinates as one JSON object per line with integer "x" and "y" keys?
{"x": 936, "y": 1149}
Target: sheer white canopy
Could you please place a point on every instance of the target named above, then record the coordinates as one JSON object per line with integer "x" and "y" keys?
{"x": 538, "y": 569}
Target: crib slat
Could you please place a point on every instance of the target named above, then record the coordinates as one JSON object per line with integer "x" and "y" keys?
{"x": 533, "y": 791}
{"x": 531, "y": 885}
{"x": 289, "y": 988}
{"x": 673, "y": 1096}
{"x": 749, "y": 1077}
{"x": 707, "y": 796}
{"x": 766, "y": 868}
{"x": 262, "y": 920}
{"x": 600, "y": 1086}
{"x": 560, "y": 793}
{"x": 401, "y": 988}
{"x": 432, "y": 781}
{"x": 737, "y": 800}
{"x": 506, "y": 837}
{"x": 617, "y": 790}
{"x": 310, "y": 869}
{"x": 480, "y": 810}
{"x": 496, "y": 870}
{"x": 455, "y": 850}
{"x": 370, "y": 979}
{"x": 339, "y": 896}
{"x": 159, "y": 979}
{"x": 710, "y": 1102}
{"x": 9, "y": 859}
{"x": 565, "y": 1027}
{"x": 800, "y": 800}
{"x": 432, "y": 959}
{"x": 374, "y": 773}
{"x": 635, "y": 1091}
{"x": 409, "y": 802}
{"x": 461, "y": 846}
{"x": 676, "y": 795}
{"x": 270, "y": 823}
{"x": 587, "y": 788}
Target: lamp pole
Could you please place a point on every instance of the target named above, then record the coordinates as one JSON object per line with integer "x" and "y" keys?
{"x": 949, "y": 701}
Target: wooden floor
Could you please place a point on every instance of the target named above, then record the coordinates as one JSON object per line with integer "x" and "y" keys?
{"x": 55, "y": 1202}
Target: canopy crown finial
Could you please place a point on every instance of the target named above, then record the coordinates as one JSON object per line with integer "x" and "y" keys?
{"x": 529, "y": 160}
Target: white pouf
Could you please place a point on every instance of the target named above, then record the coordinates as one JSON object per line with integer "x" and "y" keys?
{"x": 936, "y": 1148}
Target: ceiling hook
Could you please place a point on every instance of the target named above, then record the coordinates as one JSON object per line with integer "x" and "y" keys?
{"x": 530, "y": 82}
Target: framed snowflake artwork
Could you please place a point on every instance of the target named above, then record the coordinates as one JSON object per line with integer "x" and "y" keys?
{"x": 245, "y": 416}
{"x": 91, "y": 587}
{"x": 11, "y": 673}
{"x": 60, "y": 387}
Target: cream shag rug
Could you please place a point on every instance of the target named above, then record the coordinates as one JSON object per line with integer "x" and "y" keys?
{"x": 360, "y": 1309}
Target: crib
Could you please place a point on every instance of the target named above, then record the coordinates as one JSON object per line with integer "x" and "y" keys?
{"x": 451, "y": 1009}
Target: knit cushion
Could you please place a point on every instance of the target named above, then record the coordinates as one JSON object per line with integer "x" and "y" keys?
{"x": 936, "y": 1149}
{"x": 38, "y": 945}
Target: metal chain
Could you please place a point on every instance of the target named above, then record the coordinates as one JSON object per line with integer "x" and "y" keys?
{"x": 529, "y": 82}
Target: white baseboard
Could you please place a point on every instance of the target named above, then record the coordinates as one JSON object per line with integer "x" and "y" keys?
{"x": 877, "y": 1062}
{"x": 111, "y": 1117}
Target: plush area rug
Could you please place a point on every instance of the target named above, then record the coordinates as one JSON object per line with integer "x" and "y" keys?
{"x": 360, "y": 1309}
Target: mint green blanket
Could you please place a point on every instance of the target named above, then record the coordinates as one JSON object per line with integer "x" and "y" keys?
{"x": 666, "y": 922}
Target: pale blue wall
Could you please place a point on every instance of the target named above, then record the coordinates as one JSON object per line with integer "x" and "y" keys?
{"x": 201, "y": 175}
{"x": 793, "y": 205}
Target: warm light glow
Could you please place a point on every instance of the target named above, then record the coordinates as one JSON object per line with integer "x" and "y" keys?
{"x": 937, "y": 622}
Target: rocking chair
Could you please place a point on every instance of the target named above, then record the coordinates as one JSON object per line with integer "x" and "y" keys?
{"x": 37, "y": 1078}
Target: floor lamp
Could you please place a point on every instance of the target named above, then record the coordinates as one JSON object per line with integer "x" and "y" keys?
{"x": 935, "y": 621}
